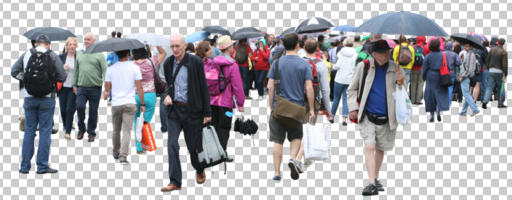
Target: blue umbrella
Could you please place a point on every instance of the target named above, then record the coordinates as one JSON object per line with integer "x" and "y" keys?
{"x": 402, "y": 23}
{"x": 197, "y": 36}
{"x": 344, "y": 28}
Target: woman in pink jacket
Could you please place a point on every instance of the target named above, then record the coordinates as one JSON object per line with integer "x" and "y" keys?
{"x": 224, "y": 83}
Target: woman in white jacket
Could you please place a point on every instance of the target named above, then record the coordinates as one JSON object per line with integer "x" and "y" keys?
{"x": 345, "y": 66}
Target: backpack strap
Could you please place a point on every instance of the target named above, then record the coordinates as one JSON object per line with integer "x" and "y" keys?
{"x": 361, "y": 90}
{"x": 277, "y": 80}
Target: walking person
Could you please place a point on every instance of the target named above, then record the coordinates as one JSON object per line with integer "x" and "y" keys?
{"x": 39, "y": 69}
{"x": 372, "y": 105}
{"x": 416, "y": 89}
{"x": 222, "y": 102}
{"x": 436, "y": 96}
{"x": 401, "y": 54}
{"x": 345, "y": 67}
{"x": 188, "y": 102}
{"x": 123, "y": 79}
{"x": 454, "y": 59}
{"x": 295, "y": 77}
{"x": 497, "y": 61}
{"x": 147, "y": 66}
{"x": 89, "y": 74}
{"x": 261, "y": 65}
{"x": 241, "y": 55}
{"x": 67, "y": 99}
{"x": 467, "y": 70}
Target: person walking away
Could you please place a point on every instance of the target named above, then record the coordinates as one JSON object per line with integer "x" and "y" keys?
{"x": 67, "y": 99}
{"x": 345, "y": 67}
{"x": 454, "y": 59}
{"x": 497, "y": 61}
{"x": 241, "y": 55}
{"x": 467, "y": 70}
{"x": 436, "y": 96}
{"x": 88, "y": 78}
{"x": 372, "y": 106}
{"x": 112, "y": 58}
{"x": 40, "y": 69}
{"x": 260, "y": 58}
{"x": 295, "y": 78}
{"x": 416, "y": 89}
{"x": 188, "y": 102}
{"x": 123, "y": 79}
{"x": 147, "y": 68}
{"x": 403, "y": 54}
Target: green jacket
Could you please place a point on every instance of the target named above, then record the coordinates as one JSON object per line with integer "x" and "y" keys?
{"x": 90, "y": 69}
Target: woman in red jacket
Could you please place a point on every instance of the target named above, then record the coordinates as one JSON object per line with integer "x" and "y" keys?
{"x": 261, "y": 65}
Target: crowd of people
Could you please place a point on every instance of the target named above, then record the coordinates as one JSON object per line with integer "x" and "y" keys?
{"x": 206, "y": 81}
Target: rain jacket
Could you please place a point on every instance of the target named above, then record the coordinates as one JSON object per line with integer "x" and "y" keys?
{"x": 234, "y": 86}
{"x": 345, "y": 65}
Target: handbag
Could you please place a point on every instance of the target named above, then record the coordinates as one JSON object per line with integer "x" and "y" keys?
{"x": 445, "y": 79}
{"x": 159, "y": 84}
{"x": 286, "y": 112}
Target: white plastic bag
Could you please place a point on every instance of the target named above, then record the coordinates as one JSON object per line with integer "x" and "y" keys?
{"x": 403, "y": 106}
{"x": 317, "y": 141}
{"x": 138, "y": 127}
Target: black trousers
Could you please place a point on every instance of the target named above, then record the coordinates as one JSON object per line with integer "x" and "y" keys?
{"x": 222, "y": 124}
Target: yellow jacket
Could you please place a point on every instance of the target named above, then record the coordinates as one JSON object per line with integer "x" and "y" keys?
{"x": 395, "y": 56}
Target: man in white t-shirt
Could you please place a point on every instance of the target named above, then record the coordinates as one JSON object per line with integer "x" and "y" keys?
{"x": 123, "y": 78}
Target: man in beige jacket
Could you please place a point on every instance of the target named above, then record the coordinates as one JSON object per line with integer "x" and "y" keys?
{"x": 375, "y": 109}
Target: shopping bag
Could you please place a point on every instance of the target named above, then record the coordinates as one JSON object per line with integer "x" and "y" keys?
{"x": 403, "y": 106}
{"x": 148, "y": 139}
{"x": 138, "y": 127}
{"x": 317, "y": 141}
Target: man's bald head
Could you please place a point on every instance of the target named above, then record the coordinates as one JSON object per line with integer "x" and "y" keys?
{"x": 89, "y": 39}
{"x": 178, "y": 45}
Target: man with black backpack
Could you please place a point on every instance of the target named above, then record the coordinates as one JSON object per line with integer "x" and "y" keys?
{"x": 39, "y": 69}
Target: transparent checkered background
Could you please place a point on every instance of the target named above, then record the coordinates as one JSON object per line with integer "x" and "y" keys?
{"x": 462, "y": 158}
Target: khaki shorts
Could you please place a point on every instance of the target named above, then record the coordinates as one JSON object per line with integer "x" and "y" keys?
{"x": 380, "y": 135}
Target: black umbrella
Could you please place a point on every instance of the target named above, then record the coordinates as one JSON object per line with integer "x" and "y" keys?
{"x": 402, "y": 23}
{"x": 465, "y": 38}
{"x": 216, "y": 29}
{"x": 288, "y": 30}
{"x": 246, "y": 32}
{"x": 53, "y": 33}
{"x": 115, "y": 44}
{"x": 314, "y": 24}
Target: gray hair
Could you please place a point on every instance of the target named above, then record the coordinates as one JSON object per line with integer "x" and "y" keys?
{"x": 180, "y": 37}
{"x": 349, "y": 41}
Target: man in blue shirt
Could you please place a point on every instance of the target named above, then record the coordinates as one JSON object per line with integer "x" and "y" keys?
{"x": 374, "y": 108}
{"x": 295, "y": 77}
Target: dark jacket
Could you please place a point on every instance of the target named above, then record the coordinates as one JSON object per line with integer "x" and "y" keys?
{"x": 197, "y": 94}
{"x": 435, "y": 96}
{"x": 498, "y": 58}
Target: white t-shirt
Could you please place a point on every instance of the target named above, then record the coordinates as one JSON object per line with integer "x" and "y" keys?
{"x": 123, "y": 75}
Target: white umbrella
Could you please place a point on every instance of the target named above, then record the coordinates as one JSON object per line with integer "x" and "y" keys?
{"x": 151, "y": 39}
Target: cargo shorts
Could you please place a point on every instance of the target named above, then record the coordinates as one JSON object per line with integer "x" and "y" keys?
{"x": 380, "y": 135}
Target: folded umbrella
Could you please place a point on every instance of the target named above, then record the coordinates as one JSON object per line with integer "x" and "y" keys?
{"x": 465, "y": 38}
{"x": 197, "y": 36}
{"x": 216, "y": 29}
{"x": 53, "y": 33}
{"x": 314, "y": 24}
{"x": 151, "y": 39}
{"x": 402, "y": 23}
{"x": 115, "y": 44}
{"x": 246, "y": 32}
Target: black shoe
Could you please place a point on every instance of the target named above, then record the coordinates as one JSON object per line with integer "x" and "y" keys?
{"x": 24, "y": 172}
{"x": 164, "y": 130}
{"x": 502, "y": 106}
{"x": 380, "y": 187}
{"x": 484, "y": 106}
{"x": 431, "y": 118}
{"x": 344, "y": 123}
{"x": 438, "y": 117}
{"x": 294, "y": 172}
{"x": 48, "y": 171}
{"x": 115, "y": 156}
{"x": 370, "y": 190}
{"x": 228, "y": 159}
{"x": 55, "y": 130}
{"x": 124, "y": 162}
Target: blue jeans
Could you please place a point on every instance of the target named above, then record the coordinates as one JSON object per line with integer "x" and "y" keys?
{"x": 468, "y": 99}
{"x": 260, "y": 78}
{"x": 163, "y": 113}
{"x": 38, "y": 111}
{"x": 483, "y": 86}
{"x": 67, "y": 102}
{"x": 244, "y": 73}
{"x": 340, "y": 89}
{"x": 493, "y": 81}
{"x": 450, "y": 91}
{"x": 93, "y": 95}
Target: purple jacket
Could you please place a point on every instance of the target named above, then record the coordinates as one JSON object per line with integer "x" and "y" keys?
{"x": 234, "y": 86}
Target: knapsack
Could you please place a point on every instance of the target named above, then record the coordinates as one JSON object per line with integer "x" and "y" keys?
{"x": 210, "y": 151}
{"x": 39, "y": 77}
{"x": 316, "y": 81}
{"x": 280, "y": 51}
{"x": 478, "y": 65}
{"x": 216, "y": 80}
{"x": 241, "y": 55}
{"x": 418, "y": 55}
{"x": 404, "y": 55}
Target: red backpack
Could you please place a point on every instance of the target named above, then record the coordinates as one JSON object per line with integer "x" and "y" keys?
{"x": 316, "y": 81}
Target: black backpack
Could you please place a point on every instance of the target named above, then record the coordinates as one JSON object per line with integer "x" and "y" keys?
{"x": 241, "y": 54}
{"x": 39, "y": 78}
{"x": 419, "y": 56}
